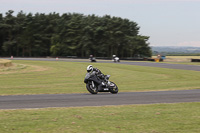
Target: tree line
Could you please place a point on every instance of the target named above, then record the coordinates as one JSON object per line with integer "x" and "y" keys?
{"x": 70, "y": 34}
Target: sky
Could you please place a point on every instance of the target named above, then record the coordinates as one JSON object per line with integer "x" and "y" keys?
{"x": 166, "y": 22}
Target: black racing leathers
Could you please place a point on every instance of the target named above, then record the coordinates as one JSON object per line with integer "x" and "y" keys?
{"x": 99, "y": 73}
{"x": 101, "y": 76}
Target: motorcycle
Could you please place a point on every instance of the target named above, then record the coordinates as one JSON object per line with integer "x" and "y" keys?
{"x": 92, "y": 82}
{"x": 93, "y": 59}
{"x": 116, "y": 59}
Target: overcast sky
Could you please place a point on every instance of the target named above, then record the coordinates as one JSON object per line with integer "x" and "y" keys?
{"x": 167, "y": 22}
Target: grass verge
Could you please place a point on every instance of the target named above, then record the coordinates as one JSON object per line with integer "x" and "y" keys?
{"x": 158, "y": 118}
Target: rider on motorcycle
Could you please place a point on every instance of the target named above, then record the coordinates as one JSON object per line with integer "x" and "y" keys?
{"x": 114, "y": 57}
{"x": 100, "y": 75}
{"x": 92, "y": 59}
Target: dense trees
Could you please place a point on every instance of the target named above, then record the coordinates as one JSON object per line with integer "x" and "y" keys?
{"x": 70, "y": 35}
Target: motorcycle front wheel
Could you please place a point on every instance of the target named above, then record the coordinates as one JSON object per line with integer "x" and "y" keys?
{"x": 91, "y": 89}
{"x": 113, "y": 88}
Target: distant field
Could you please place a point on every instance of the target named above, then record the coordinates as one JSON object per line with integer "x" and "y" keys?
{"x": 179, "y": 58}
{"x": 184, "y": 57}
{"x": 51, "y": 77}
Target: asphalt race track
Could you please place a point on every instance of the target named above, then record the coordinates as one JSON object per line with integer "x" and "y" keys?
{"x": 103, "y": 99}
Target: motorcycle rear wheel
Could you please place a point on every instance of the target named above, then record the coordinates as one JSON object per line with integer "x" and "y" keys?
{"x": 91, "y": 90}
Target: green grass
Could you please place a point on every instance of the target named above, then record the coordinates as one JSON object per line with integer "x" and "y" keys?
{"x": 158, "y": 118}
{"x": 52, "y": 77}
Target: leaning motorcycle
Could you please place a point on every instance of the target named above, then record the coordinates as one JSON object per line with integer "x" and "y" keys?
{"x": 92, "y": 82}
{"x": 93, "y": 59}
{"x": 116, "y": 59}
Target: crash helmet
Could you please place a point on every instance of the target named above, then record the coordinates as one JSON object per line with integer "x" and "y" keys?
{"x": 114, "y": 56}
{"x": 89, "y": 68}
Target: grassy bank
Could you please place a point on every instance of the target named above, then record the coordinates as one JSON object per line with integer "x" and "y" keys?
{"x": 51, "y": 77}
{"x": 158, "y": 118}
{"x": 5, "y": 63}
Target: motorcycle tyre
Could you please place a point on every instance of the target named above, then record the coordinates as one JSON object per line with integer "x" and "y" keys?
{"x": 114, "y": 91}
{"x": 91, "y": 90}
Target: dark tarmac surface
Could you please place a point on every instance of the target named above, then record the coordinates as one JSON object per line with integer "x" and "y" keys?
{"x": 102, "y": 99}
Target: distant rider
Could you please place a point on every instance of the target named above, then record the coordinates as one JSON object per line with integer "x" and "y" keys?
{"x": 114, "y": 57}
{"x": 99, "y": 74}
{"x": 91, "y": 57}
